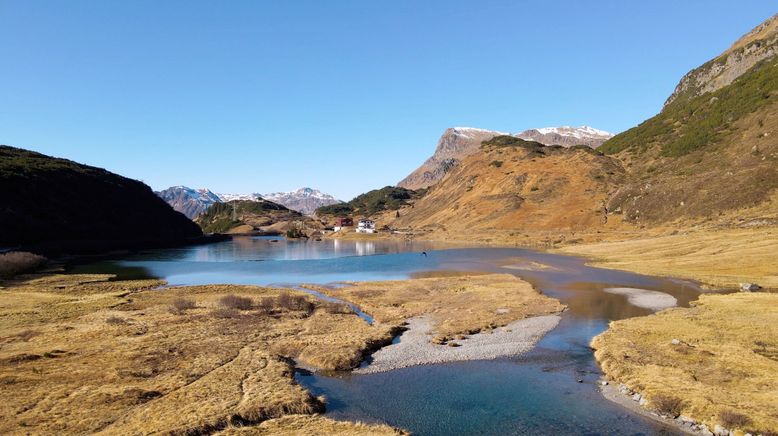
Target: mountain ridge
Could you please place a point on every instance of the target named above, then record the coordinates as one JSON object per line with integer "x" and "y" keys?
{"x": 457, "y": 143}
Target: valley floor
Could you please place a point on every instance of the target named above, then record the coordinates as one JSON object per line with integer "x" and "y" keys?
{"x": 83, "y": 354}
{"x": 718, "y": 258}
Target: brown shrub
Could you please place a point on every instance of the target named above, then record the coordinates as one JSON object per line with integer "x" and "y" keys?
{"x": 225, "y": 312}
{"x": 19, "y": 262}
{"x": 667, "y": 404}
{"x": 731, "y": 419}
{"x": 295, "y": 302}
{"x": 235, "y": 302}
{"x": 336, "y": 308}
{"x": 267, "y": 304}
{"x": 115, "y": 320}
{"x": 180, "y": 305}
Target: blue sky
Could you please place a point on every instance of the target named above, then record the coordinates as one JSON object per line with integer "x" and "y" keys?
{"x": 344, "y": 96}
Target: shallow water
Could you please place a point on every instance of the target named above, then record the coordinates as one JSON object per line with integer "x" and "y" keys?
{"x": 537, "y": 393}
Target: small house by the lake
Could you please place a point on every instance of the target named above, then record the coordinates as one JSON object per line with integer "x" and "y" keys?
{"x": 366, "y": 226}
{"x": 342, "y": 222}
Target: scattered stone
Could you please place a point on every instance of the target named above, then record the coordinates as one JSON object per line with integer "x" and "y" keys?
{"x": 720, "y": 431}
{"x": 675, "y": 342}
{"x": 637, "y": 397}
{"x": 749, "y": 287}
{"x": 580, "y": 380}
{"x": 643, "y": 401}
{"x": 604, "y": 383}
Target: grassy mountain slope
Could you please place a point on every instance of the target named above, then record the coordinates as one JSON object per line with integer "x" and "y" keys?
{"x": 517, "y": 185}
{"x": 704, "y": 155}
{"x": 50, "y": 200}
{"x": 244, "y": 216}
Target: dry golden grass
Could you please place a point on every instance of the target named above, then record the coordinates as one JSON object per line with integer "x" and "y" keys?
{"x": 311, "y": 425}
{"x": 457, "y": 305}
{"x": 718, "y": 257}
{"x": 557, "y": 192}
{"x": 723, "y": 367}
{"x": 80, "y": 354}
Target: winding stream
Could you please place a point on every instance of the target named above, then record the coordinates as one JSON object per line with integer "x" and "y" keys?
{"x": 537, "y": 393}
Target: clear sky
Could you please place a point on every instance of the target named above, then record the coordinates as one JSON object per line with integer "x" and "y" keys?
{"x": 344, "y": 96}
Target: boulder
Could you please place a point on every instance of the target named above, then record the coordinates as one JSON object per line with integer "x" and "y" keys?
{"x": 749, "y": 287}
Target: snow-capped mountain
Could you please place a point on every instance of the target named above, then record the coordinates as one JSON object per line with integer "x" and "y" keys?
{"x": 231, "y": 197}
{"x": 303, "y": 200}
{"x": 566, "y": 136}
{"x": 453, "y": 145}
{"x": 190, "y": 202}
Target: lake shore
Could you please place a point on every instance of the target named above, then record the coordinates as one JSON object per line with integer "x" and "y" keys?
{"x": 713, "y": 363}
{"x": 123, "y": 356}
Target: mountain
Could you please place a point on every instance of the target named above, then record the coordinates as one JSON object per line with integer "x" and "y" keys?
{"x": 64, "y": 205}
{"x": 566, "y": 136}
{"x": 752, "y": 48}
{"x": 232, "y": 197}
{"x": 246, "y": 216}
{"x": 190, "y": 202}
{"x": 511, "y": 186}
{"x": 303, "y": 200}
{"x": 388, "y": 198}
{"x": 711, "y": 153}
{"x": 453, "y": 145}
{"x": 459, "y": 142}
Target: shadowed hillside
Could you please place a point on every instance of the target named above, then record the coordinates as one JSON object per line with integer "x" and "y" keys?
{"x": 245, "y": 216}
{"x": 58, "y": 202}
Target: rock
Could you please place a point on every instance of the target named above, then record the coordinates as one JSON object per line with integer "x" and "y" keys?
{"x": 637, "y": 397}
{"x": 720, "y": 431}
{"x": 749, "y": 287}
{"x": 604, "y": 383}
{"x": 643, "y": 401}
{"x": 675, "y": 342}
{"x": 580, "y": 380}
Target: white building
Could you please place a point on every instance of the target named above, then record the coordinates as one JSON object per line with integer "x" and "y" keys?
{"x": 366, "y": 226}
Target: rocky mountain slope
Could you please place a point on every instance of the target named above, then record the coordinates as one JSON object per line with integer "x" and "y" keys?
{"x": 190, "y": 202}
{"x": 67, "y": 205}
{"x": 247, "y": 216}
{"x": 566, "y": 136}
{"x": 711, "y": 153}
{"x": 745, "y": 53}
{"x": 512, "y": 185}
{"x": 453, "y": 145}
{"x": 459, "y": 142}
{"x": 303, "y": 200}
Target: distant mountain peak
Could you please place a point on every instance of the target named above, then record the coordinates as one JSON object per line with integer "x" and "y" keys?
{"x": 304, "y": 200}
{"x": 566, "y": 136}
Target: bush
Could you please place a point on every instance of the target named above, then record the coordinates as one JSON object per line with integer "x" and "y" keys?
{"x": 295, "y": 302}
{"x": 235, "y": 302}
{"x": 115, "y": 320}
{"x": 225, "y": 312}
{"x": 295, "y": 233}
{"x": 336, "y": 308}
{"x": 496, "y": 163}
{"x": 731, "y": 419}
{"x": 667, "y": 405}
{"x": 181, "y": 305}
{"x": 19, "y": 262}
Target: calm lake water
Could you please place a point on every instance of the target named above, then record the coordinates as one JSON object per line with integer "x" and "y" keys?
{"x": 537, "y": 393}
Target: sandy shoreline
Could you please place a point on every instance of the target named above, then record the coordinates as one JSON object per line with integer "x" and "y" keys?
{"x": 415, "y": 347}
